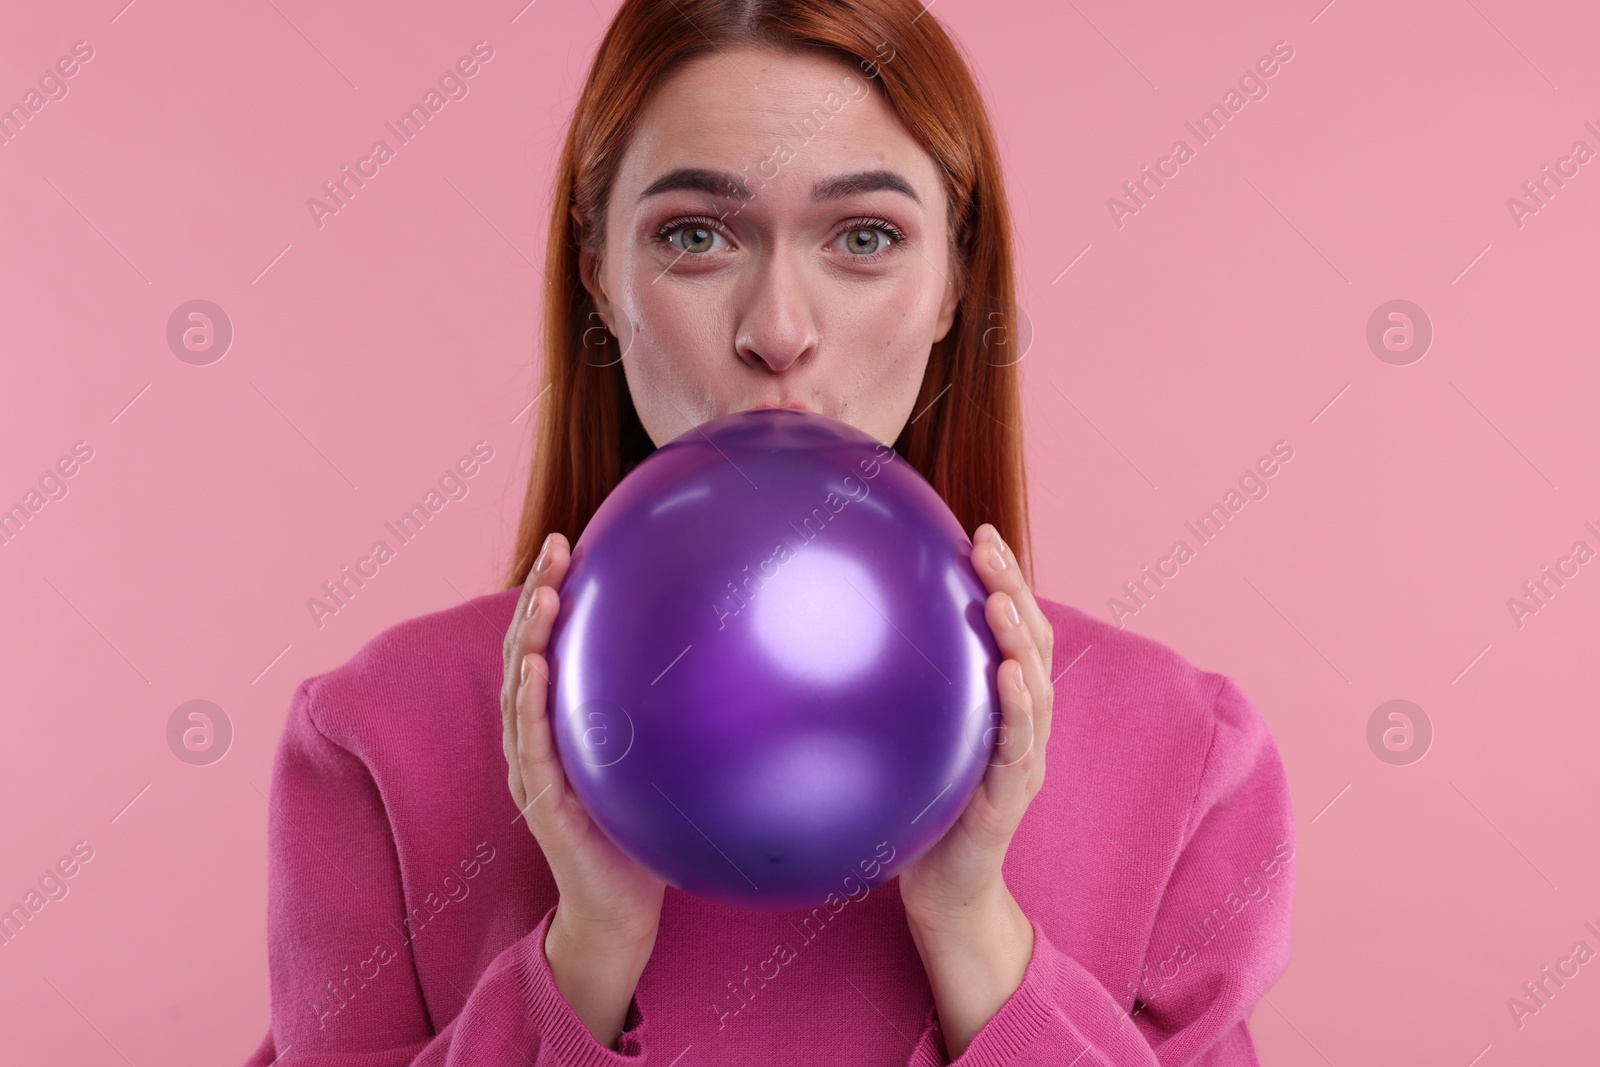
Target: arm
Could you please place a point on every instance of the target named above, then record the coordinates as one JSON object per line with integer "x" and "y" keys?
{"x": 345, "y": 991}
{"x": 1220, "y": 940}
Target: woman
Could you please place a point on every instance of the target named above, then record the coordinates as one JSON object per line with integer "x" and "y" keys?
{"x": 775, "y": 202}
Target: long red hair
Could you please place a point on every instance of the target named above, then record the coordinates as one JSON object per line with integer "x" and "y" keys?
{"x": 966, "y": 438}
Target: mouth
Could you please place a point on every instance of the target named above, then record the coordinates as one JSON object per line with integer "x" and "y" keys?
{"x": 792, "y": 405}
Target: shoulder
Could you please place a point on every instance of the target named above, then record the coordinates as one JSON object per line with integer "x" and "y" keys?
{"x": 432, "y": 669}
{"x": 1127, "y": 704}
{"x": 1137, "y": 674}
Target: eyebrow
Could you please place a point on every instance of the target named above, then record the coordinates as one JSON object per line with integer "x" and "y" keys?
{"x": 725, "y": 184}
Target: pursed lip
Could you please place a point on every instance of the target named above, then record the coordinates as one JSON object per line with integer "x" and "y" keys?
{"x": 793, "y": 405}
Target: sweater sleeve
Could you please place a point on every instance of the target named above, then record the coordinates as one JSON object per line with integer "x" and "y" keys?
{"x": 344, "y": 985}
{"x": 1220, "y": 940}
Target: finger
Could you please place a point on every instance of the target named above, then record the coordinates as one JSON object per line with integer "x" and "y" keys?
{"x": 1008, "y": 774}
{"x": 528, "y": 668}
{"x": 1007, "y": 572}
{"x": 1015, "y": 638}
{"x": 508, "y": 746}
{"x": 1015, "y": 641}
{"x": 533, "y": 628}
{"x": 998, "y": 566}
{"x": 509, "y": 648}
{"x": 549, "y": 568}
{"x": 531, "y": 581}
{"x": 536, "y": 755}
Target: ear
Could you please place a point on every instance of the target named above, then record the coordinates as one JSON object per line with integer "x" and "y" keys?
{"x": 589, "y": 275}
{"x": 947, "y": 310}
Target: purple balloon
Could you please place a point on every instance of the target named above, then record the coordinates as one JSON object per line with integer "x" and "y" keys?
{"x": 771, "y": 675}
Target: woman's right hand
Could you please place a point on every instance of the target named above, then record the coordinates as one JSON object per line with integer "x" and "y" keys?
{"x": 609, "y": 907}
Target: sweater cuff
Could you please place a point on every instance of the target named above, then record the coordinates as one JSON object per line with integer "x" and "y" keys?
{"x": 1025, "y": 1015}
{"x": 564, "y": 1039}
{"x": 930, "y": 1050}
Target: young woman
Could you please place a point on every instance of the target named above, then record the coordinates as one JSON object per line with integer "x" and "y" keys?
{"x": 768, "y": 203}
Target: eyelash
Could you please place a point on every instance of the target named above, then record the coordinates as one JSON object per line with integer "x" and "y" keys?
{"x": 865, "y": 223}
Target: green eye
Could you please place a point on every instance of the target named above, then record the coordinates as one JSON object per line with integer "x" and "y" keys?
{"x": 699, "y": 235}
{"x": 872, "y": 238}
{"x": 696, "y": 239}
{"x": 865, "y": 240}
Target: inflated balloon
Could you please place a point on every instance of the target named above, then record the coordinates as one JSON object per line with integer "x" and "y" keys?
{"x": 771, "y": 675}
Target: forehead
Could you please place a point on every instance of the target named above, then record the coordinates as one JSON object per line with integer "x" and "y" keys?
{"x": 732, "y": 110}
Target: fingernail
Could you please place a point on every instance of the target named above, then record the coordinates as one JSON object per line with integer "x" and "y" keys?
{"x": 1016, "y": 673}
{"x": 995, "y": 557}
{"x": 1011, "y": 612}
{"x": 544, "y": 556}
{"x": 524, "y": 679}
{"x": 999, "y": 541}
{"x": 532, "y": 608}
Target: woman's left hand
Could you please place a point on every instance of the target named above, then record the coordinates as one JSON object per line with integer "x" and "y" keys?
{"x": 964, "y": 866}
{"x": 974, "y": 939}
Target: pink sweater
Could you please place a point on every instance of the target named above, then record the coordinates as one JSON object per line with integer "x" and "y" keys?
{"x": 408, "y": 902}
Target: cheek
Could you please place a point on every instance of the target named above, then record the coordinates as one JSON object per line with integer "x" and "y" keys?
{"x": 679, "y": 335}
{"x": 887, "y": 338}
{"x": 658, "y": 402}
{"x": 670, "y": 314}
{"x": 882, "y": 372}
{"x": 677, "y": 349}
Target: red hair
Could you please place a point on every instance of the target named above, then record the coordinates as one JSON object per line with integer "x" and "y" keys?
{"x": 966, "y": 435}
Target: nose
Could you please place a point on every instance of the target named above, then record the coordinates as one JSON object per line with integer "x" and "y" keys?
{"x": 777, "y": 327}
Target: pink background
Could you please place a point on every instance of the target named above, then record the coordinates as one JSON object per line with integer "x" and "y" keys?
{"x": 1229, "y": 313}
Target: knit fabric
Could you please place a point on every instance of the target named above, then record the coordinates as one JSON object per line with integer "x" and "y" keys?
{"x": 408, "y": 902}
